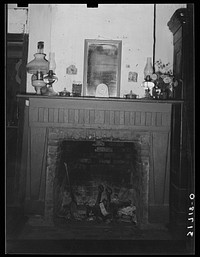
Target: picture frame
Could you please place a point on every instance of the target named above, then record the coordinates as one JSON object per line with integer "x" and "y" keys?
{"x": 102, "y": 68}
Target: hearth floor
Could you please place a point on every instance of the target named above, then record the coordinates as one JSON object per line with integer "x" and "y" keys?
{"x": 91, "y": 230}
{"x": 21, "y": 237}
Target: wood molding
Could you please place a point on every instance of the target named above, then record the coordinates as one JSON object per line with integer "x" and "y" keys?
{"x": 101, "y": 115}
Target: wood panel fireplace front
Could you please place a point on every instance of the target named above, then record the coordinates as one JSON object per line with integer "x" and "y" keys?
{"x": 125, "y": 142}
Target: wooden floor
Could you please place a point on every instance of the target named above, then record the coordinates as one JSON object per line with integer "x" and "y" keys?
{"x": 91, "y": 238}
{"x": 97, "y": 247}
{"x": 92, "y": 230}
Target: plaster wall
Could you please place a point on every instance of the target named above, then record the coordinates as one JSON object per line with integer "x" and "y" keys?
{"x": 17, "y": 19}
{"x": 164, "y": 38}
{"x": 63, "y": 28}
{"x": 118, "y": 22}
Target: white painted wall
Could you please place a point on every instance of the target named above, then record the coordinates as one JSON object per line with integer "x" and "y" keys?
{"x": 164, "y": 37}
{"x": 63, "y": 28}
{"x": 105, "y": 22}
{"x": 17, "y": 19}
{"x": 40, "y": 18}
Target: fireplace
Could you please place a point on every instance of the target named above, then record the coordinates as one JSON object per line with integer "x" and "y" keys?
{"x": 119, "y": 144}
{"x": 103, "y": 178}
{"x": 82, "y": 165}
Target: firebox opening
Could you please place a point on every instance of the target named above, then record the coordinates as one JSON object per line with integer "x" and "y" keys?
{"x": 98, "y": 182}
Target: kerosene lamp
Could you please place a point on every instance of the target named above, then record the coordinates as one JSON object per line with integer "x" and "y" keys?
{"x": 39, "y": 67}
{"x": 50, "y": 78}
{"x": 147, "y": 84}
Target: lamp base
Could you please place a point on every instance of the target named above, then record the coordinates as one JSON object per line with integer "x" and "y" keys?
{"x": 38, "y": 84}
{"x": 48, "y": 91}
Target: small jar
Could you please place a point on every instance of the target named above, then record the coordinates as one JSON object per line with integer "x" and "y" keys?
{"x": 64, "y": 92}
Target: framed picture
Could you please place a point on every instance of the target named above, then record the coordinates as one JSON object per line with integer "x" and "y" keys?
{"x": 102, "y": 68}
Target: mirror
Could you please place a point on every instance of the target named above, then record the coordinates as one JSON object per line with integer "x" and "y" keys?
{"x": 102, "y": 68}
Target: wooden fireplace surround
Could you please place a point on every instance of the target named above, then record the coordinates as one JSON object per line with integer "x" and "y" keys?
{"x": 150, "y": 120}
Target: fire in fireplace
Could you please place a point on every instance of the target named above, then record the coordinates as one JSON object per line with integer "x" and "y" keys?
{"x": 98, "y": 182}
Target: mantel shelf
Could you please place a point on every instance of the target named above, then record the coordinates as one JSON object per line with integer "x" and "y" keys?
{"x": 87, "y": 98}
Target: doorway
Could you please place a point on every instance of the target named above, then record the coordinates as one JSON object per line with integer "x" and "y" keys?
{"x": 16, "y": 59}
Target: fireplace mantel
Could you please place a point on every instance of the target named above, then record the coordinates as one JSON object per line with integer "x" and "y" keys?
{"x": 143, "y": 100}
{"x": 149, "y": 120}
{"x": 101, "y": 113}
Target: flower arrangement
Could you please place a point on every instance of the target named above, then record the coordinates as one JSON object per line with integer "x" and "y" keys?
{"x": 164, "y": 79}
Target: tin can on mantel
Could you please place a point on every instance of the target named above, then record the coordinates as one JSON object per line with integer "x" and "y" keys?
{"x": 76, "y": 88}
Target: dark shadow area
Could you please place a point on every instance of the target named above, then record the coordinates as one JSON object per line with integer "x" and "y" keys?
{"x": 97, "y": 247}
